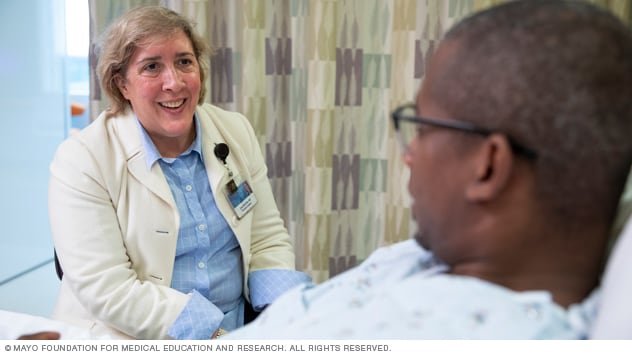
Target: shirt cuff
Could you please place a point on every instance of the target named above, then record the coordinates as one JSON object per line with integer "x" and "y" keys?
{"x": 198, "y": 320}
{"x": 266, "y": 285}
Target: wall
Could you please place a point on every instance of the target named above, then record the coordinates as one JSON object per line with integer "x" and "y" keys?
{"x": 33, "y": 122}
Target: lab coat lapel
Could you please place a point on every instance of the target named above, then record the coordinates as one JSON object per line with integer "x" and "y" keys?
{"x": 217, "y": 174}
{"x": 153, "y": 179}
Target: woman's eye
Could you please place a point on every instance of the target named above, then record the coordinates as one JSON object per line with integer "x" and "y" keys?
{"x": 185, "y": 62}
{"x": 151, "y": 67}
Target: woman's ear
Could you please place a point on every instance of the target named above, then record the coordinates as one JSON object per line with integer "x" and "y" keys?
{"x": 120, "y": 83}
{"x": 493, "y": 164}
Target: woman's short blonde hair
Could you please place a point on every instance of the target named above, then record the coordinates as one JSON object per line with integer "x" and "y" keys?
{"x": 127, "y": 33}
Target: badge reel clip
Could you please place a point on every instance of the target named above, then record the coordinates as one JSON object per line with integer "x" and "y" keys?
{"x": 239, "y": 193}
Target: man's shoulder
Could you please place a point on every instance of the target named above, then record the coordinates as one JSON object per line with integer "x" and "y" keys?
{"x": 404, "y": 250}
{"x": 391, "y": 263}
{"x": 461, "y": 307}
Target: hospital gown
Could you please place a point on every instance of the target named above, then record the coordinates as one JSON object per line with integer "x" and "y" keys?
{"x": 402, "y": 292}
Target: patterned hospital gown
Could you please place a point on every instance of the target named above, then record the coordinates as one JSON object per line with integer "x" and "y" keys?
{"x": 401, "y": 292}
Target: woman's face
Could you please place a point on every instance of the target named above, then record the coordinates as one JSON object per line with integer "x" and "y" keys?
{"x": 162, "y": 84}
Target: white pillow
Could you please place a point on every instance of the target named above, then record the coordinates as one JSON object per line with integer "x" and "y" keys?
{"x": 614, "y": 318}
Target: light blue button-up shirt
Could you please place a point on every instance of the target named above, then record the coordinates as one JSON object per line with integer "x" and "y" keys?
{"x": 208, "y": 256}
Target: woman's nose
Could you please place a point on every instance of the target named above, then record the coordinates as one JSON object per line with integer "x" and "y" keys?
{"x": 172, "y": 80}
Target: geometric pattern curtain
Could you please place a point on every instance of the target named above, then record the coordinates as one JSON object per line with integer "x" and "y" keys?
{"x": 318, "y": 80}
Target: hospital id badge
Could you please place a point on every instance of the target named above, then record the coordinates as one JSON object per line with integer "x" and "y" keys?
{"x": 240, "y": 195}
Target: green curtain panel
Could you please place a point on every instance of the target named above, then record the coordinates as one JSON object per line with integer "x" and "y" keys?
{"x": 318, "y": 80}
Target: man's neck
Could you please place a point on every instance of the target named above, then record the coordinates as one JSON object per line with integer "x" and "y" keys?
{"x": 568, "y": 267}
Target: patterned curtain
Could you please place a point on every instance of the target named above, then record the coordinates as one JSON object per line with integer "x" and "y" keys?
{"x": 318, "y": 80}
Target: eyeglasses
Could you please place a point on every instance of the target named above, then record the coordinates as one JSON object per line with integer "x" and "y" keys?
{"x": 406, "y": 124}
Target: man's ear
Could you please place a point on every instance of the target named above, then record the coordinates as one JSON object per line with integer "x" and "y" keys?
{"x": 493, "y": 165}
{"x": 120, "y": 83}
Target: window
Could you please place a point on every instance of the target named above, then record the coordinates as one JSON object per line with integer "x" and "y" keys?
{"x": 77, "y": 65}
